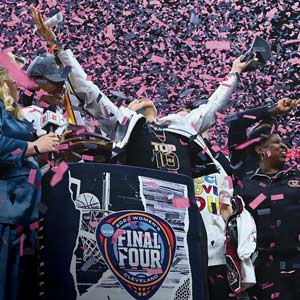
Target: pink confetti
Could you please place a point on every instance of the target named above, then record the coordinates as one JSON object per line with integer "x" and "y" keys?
{"x": 28, "y": 93}
{"x": 80, "y": 131}
{"x": 34, "y": 225}
{"x": 93, "y": 224}
{"x": 216, "y": 148}
{"x": 267, "y": 286}
{"x": 227, "y": 85}
{"x": 124, "y": 121}
{"x": 87, "y": 157}
{"x": 240, "y": 183}
{"x": 183, "y": 202}
{"x": 196, "y": 127}
{"x": 152, "y": 184}
{"x": 276, "y": 197}
{"x": 109, "y": 32}
{"x": 230, "y": 183}
{"x": 31, "y": 177}
{"x": 219, "y": 45}
{"x": 262, "y": 184}
{"x": 130, "y": 221}
{"x": 182, "y": 143}
{"x": 16, "y": 73}
{"x": 43, "y": 104}
{"x": 154, "y": 271}
{"x": 59, "y": 173}
{"x": 257, "y": 201}
{"x": 248, "y": 143}
{"x": 62, "y": 147}
{"x": 291, "y": 41}
{"x": 84, "y": 247}
{"x": 204, "y": 150}
{"x": 94, "y": 123}
{"x": 158, "y": 59}
{"x": 50, "y": 163}
{"x": 16, "y": 151}
{"x": 275, "y": 295}
{"x": 118, "y": 233}
{"x": 22, "y": 239}
{"x": 249, "y": 117}
{"x": 141, "y": 90}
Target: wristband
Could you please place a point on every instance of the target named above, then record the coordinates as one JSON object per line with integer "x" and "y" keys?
{"x": 36, "y": 149}
{"x": 51, "y": 51}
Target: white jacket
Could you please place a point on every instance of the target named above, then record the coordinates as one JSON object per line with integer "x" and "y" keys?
{"x": 246, "y": 247}
{"x": 215, "y": 190}
{"x": 99, "y": 106}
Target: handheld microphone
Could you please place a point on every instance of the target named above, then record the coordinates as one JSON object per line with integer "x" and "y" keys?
{"x": 50, "y": 122}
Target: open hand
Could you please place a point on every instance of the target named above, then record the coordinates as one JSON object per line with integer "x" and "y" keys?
{"x": 43, "y": 30}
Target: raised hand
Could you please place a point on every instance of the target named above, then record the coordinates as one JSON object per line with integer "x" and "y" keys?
{"x": 43, "y": 29}
{"x": 285, "y": 105}
{"x": 239, "y": 67}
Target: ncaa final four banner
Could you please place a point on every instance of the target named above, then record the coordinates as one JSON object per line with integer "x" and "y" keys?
{"x": 117, "y": 232}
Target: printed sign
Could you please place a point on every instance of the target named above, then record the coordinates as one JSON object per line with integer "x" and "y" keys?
{"x": 139, "y": 249}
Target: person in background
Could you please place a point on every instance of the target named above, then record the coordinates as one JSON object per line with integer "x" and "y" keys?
{"x": 213, "y": 195}
{"x": 19, "y": 182}
{"x": 242, "y": 161}
{"x": 271, "y": 195}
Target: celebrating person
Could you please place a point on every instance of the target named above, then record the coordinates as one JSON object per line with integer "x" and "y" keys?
{"x": 271, "y": 195}
{"x": 242, "y": 161}
{"x": 19, "y": 180}
{"x": 172, "y": 143}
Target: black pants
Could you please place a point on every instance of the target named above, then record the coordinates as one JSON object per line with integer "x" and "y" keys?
{"x": 218, "y": 285}
{"x": 271, "y": 284}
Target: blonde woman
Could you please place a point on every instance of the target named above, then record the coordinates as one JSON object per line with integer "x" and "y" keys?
{"x": 19, "y": 181}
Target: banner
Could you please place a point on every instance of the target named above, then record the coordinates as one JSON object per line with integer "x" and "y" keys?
{"x": 117, "y": 232}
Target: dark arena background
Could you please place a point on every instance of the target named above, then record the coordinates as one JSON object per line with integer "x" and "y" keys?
{"x": 174, "y": 52}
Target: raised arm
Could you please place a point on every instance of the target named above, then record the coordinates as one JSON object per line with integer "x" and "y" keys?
{"x": 240, "y": 122}
{"x": 95, "y": 102}
{"x": 204, "y": 116}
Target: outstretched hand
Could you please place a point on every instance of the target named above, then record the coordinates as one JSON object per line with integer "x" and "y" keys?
{"x": 285, "y": 105}
{"x": 43, "y": 29}
{"x": 238, "y": 66}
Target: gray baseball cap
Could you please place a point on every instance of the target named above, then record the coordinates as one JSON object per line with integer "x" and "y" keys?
{"x": 47, "y": 67}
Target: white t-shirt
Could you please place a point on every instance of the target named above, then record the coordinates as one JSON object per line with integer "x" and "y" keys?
{"x": 207, "y": 192}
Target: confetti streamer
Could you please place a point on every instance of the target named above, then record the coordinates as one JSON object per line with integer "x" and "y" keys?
{"x": 87, "y": 157}
{"x": 16, "y": 151}
{"x": 31, "y": 177}
{"x": 277, "y": 197}
{"x": 183, "y": 202}
{"x": 118, "y": 233}
{"x": 257, "y": 201}
{"x": 152, "y": 184}
{"x": 59, "y": 173}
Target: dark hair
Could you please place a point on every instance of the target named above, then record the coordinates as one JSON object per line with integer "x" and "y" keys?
{"x": 261, "y": 133}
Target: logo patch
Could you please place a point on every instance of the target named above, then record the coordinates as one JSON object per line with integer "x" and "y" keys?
{"x": 139, "y": 248}
{"x": 294, "y": 183}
